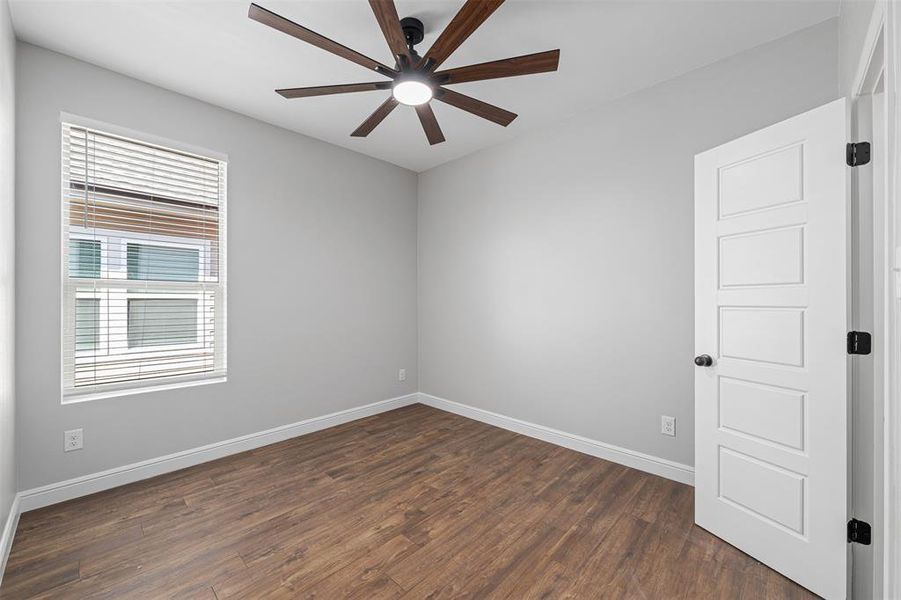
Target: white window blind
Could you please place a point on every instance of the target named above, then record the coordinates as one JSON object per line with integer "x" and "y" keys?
{"x": 143, "y": 233}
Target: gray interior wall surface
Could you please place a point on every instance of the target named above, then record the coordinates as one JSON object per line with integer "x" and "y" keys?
{"x": 556, "y": 270}
{"x": 321, "y": 277}
{"x": 8, "y": 469}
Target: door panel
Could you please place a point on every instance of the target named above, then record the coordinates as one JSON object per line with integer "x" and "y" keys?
{"x": 771, "y": 335}
{"x": 764, "y": 412}
{"x": 741, "y": 479}
{"x": 772, "y": 257}
{"x": 771, "y": 309}
{"x": 762, "y": 181}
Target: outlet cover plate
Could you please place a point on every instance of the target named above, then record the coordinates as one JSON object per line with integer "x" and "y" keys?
{"x": 668, "y": 425}
{"x": 73, "y": 439}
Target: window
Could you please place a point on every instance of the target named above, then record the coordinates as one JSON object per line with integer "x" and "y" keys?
{"x": 87, "y": 317}
{"x": 162, "y": 263}
{"x": 84, "y": 258}
{"x": 162, "y": 322}
{"x": 144, "y": 265}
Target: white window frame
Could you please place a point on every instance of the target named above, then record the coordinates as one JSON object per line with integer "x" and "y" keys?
{"x": 69, "y": 394}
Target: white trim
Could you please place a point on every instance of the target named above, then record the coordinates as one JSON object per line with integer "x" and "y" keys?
{"x": 891, "y": 576}
{"x": 141, "y": 137}
{"x": 130, "y": 388}
{"x": 97, "y": 482}
{"x": 624, "y": 456}
{"x": 9, "y": 532}
{"x": 867, "y": 385}
{"x": 882, "y": 36}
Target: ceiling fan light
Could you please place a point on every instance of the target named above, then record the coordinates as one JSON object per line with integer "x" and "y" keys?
{"x": 412, "y": 92}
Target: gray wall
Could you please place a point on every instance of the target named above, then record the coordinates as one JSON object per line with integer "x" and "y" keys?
{"x": 321, "y": 272}
{"x": 556, "y": 271}
{"x": 7, "y": 265}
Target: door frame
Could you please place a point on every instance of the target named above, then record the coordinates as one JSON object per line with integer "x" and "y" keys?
{"x": 868, "y": 302}
{"x": 878, "y": 69}
{"x": 891, "y": 575}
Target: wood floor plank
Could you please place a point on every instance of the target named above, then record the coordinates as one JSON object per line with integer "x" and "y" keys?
{"x": 364, "y": 577}
{"x": 413, "y": 503}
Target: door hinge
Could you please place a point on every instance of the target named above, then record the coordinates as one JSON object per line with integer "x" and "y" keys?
{"x": 859, "y": 342}
{"x": 857, "y": 153}
{"x": 859, "y": 532}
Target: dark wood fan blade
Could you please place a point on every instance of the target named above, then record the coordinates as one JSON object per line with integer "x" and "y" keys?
{"x": 429, "y": 124}
{"x": 473, "y": 14}
{"x": 267, "y": 17}
{"x": 325, "y": 90}
{"x": 541, "y": 62}
{"x": 477, "y": 107}
{"x": 386, "y": 14}
{"x": 375, "y": 118}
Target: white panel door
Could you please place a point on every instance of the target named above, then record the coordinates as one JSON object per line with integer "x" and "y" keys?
{"x": 771, "y": 313}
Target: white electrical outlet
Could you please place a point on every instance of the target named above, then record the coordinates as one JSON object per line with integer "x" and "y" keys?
{"x": 402, "y": 375}
{"x": 667, "y": 425}
{"x": 73, "y": 440}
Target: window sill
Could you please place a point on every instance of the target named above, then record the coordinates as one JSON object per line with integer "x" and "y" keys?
{"x": 78, "y": 397}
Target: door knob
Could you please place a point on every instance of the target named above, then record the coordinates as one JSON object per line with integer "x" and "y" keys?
{"x": 704, "y": 360}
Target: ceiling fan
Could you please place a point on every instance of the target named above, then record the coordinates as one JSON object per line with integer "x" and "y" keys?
{"x": 414, "y": 80}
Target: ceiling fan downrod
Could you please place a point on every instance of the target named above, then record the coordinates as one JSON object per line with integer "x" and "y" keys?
{"x": 414, "y": 32}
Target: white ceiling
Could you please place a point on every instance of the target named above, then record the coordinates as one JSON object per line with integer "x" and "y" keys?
{"x": 210, "y": 50}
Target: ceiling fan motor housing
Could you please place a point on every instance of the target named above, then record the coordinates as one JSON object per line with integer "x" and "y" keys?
{"x": 413, "y": 30}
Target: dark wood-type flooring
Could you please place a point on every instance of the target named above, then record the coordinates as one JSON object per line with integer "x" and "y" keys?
{"x": 413, "y": 503}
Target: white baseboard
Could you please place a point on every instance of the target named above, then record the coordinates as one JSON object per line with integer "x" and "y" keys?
{"x": 630, "y": 458}
{"x": 97, "y": 482}
{"x": 9, "y": 532}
